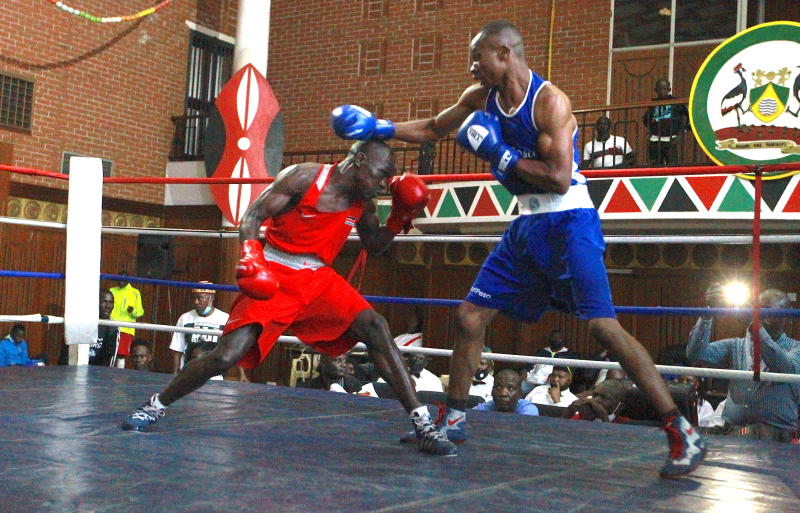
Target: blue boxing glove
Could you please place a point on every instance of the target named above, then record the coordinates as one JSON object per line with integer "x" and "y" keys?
{"x": 353, "y": 122}
{"x": 481, "y": 134}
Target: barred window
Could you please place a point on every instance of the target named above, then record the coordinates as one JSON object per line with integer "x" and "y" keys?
{"x": 371, "y": 57}
{"x": 16, "y": 102}
{"x": 423, "y": 109}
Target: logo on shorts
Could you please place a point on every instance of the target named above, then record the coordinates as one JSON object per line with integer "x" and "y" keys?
{"x": 350, "y": 221}
{"x": 479, "y": 292}
{"x": 744, "y": 105}
{"x": 533, "y": 204}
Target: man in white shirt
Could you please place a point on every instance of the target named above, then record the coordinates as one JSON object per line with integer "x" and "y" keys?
{"x": 555, "y": 348}
{"x": 483, "y": 380}
{"x": 556, "y": 392}
{"x": 606, "y": 150}
{"x": 202, "y": 316}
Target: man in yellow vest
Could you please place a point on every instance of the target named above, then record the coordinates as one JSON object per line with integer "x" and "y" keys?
{"x": 127, "y": 308}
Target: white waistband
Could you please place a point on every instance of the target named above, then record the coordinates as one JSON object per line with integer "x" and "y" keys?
{"x": 576, "y": 197}
{"x": 291, "y": 260}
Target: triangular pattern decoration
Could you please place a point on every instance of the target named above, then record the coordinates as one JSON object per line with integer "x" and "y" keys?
{"x": 515, "y": 210}
{"x": 793, "y": 203}
{"x": 622, "y": 201}
{"x": 383, "y": 211}
{"x": 465, "y": 196}
{"x": 706, "y": 187}
{"x": 485, "y": 205}
{"x": 772, "y": 190}
{"x": 677, "y": 200}
{"x": 598, "y": 190}
{"x": 435, "y": 195}
{"x": 504, "y": 198}
{"x": 648, "y": 189}
{"x": 737, "y": 199}
{"x": 449, "y": 207}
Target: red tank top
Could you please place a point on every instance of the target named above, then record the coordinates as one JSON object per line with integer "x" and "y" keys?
{"x": 307, "y": 231}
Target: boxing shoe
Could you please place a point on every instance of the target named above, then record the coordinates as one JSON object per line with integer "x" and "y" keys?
{"x": 143, "y": 417}
{"x": 429, "y": 439}
{"x": 687, "y": 448}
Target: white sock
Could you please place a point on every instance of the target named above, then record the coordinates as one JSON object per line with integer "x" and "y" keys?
{"x": 421, "y": 412}
{"x": 156, "y": 402}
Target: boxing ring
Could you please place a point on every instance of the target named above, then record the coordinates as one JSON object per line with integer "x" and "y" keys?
{"x": 234, "y": 446}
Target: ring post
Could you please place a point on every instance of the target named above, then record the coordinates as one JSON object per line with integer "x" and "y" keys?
{"x": 84, "y": 221}
{"x": 757, "y": 275}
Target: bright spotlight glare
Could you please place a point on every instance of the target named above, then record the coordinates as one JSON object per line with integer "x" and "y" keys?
{"x": 736, "y": 293}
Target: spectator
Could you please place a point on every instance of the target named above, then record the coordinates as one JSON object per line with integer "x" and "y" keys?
{"x": 665, "y": 123}
{"x": 424, "y": 380}
{"x": 555, "y": 349}
{"x": 483, "y": 380}
{"x": 556, "y": 392}
{"x": 767, "y": 410}
{"x": 506, "y": 395}
{"x": 603, "y": 404}
{"x": 142, "y": 356}
{"x": 103, "y": 352}
{"x": 606, "y": 150}
{"x": 333, "y": 376}
{"x": 14, "y": 348}
{"x": 204, "y": 316}
{"x": 705, "y": 412}
{"x": 127, "y": 308}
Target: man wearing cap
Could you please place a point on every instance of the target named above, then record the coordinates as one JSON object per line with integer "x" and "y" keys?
{"x": 203, "y": 316}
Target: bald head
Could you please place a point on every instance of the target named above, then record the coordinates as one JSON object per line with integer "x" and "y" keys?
{"x": 370, "y": 148}
{"x": 504, "y": 34}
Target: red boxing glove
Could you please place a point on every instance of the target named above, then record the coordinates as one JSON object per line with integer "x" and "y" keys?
{"x": 253, "y": 276}
{"x": 409, "y": 197}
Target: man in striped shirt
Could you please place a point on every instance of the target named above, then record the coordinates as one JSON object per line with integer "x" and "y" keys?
{"x": 767, "y": 410}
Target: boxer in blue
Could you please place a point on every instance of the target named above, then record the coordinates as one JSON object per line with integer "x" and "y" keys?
{"x": 551, "y": 256}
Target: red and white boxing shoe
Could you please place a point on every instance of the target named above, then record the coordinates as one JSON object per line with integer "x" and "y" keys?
{"x": 687, "y": 448}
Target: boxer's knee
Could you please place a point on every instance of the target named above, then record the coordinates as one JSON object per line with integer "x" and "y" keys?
{"x": 233, "y": 346}
{"x": 471, "y": 321}
{"x": 369, "y": 326}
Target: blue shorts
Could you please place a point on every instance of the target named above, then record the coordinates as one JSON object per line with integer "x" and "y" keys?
{"x": 544, "y": 262}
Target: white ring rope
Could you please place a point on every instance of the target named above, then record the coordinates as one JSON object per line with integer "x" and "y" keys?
{"x": 610, "y": 239}
{"x": 501, "y": 357}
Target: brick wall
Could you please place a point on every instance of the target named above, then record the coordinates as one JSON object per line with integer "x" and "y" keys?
{"x": 104, "y": 90}
{"x": 109, "y": 90}
{"x": 317, "y": 55}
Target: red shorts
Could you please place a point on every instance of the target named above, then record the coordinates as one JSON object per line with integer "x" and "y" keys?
{"x": 319, "y": 306}
{"x": 125, "y": 340}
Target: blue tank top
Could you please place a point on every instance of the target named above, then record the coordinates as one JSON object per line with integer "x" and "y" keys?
{"x": 519, "y": 129}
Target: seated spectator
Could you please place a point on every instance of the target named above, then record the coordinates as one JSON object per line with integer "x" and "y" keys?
{"x": 506, "y": 395}
{"x": 606, "y": 150}
{"x": 333, "y": 375}
{"x": 103, "y": 352}
{"x": 704, "y": 409}
{"x": 14, "y": 348}
{"x": 142, "y": 356}
{"x": 556, "y": 392}
{"x": 483, "y": 380}
{"x": 199, "y": 351}
{"x": 603, "y": 404}
{"x": 556, "y": 348}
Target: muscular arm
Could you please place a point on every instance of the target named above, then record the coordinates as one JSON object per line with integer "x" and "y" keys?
{"x": 282, "y": 195}
{"x": 552, "y": 171}
{"x": 374, "y": 237}
{"x": 435, "y": 128}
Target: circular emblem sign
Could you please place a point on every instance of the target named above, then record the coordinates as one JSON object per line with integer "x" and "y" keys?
{"x": 745, "y": 102}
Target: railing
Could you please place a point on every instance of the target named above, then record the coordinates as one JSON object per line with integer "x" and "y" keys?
{"x": 447, "y": 157}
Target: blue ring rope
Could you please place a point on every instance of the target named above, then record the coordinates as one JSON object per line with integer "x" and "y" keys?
{"x": 638, "y": 310}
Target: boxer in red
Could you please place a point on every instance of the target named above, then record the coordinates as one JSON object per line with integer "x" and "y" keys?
{"x": 287, "y": 281}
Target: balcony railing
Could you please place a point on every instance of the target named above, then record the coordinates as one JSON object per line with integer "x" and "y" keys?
{"x": 447, "y": 157}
